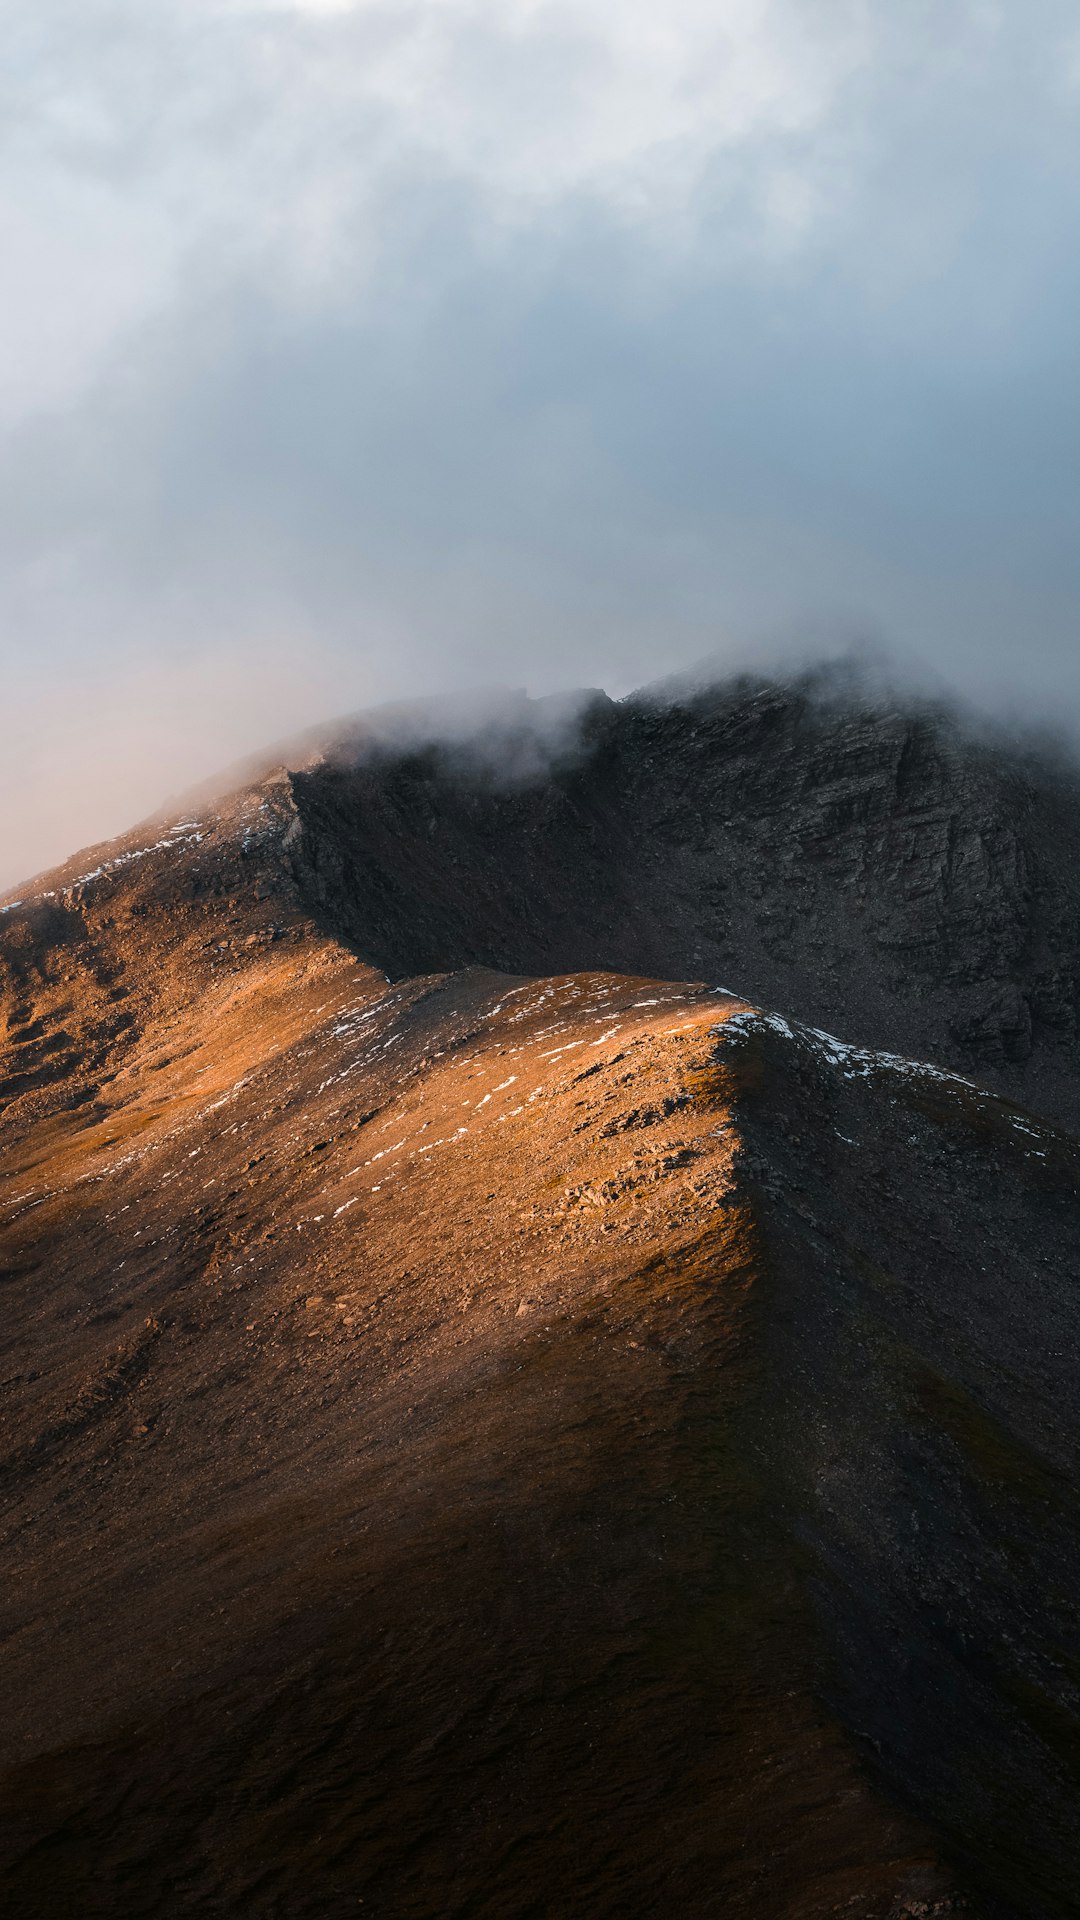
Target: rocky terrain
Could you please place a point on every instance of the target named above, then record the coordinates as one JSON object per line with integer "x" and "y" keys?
{"x": 497, "y": 1421}
{"x": 876, "y": 868}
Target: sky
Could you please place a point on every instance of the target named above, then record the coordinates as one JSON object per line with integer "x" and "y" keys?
{"x": 353, "y": 350}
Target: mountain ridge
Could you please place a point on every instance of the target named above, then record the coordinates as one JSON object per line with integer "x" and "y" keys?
{"x": 877, "y": 871}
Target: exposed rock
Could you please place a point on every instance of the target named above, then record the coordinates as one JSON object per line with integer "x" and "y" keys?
{"x": 878, "y": 870}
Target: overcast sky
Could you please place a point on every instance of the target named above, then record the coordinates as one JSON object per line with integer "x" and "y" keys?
{"x": 351, "y": 350}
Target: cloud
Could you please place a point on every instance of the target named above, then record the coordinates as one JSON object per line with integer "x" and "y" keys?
{"x": 403, "y": 346}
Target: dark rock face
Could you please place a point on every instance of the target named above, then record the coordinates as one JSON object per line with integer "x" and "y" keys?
{"x": 873, "y": 871}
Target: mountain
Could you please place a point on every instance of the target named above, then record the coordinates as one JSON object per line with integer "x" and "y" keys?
{"x": 493, "y": 1427}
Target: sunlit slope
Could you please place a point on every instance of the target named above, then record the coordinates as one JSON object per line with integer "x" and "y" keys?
{"x": 387, "y": 1509}
{"x": 133, "y": 946}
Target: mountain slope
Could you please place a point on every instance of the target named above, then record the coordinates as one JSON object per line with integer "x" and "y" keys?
{"x": 487, "y": 1445}
{"x": 373, "y": 1504}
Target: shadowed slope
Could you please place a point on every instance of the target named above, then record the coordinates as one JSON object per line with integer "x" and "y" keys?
{"x": 920, "y": 1241}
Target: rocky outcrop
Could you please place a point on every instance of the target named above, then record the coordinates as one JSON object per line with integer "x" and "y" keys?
{"x": 874, "y": 869}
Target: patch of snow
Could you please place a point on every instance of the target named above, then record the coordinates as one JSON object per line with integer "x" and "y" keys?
{"x": 855, "y": 1063}
{"x": 176, "y": 838}
{"x": 354, "y": 1019}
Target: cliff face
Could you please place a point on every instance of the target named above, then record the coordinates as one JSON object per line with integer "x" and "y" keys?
{"x": 871, "y": 870}
{"x": 525, "y": 1437}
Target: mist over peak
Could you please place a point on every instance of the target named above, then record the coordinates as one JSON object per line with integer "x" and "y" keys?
{"x": 105, "y": 777}
{"x": 337, "y": 376}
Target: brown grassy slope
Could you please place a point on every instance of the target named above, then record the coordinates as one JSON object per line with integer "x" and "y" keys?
{"x": 379, "y": 1522}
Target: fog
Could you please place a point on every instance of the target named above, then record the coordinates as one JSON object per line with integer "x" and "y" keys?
{"x": 356, "y": 352}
